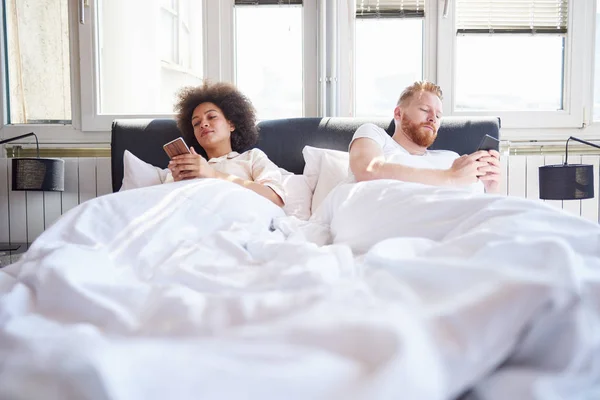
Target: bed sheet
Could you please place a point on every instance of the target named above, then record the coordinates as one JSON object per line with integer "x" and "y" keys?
{"x": 509, "y": 287}
{"x": 206, "y": 290}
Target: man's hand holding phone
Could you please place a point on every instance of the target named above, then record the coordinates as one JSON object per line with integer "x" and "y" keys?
{"x": 491, "y": 172}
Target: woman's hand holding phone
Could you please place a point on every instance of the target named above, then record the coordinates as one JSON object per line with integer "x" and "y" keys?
{"x": 190, "y": 166}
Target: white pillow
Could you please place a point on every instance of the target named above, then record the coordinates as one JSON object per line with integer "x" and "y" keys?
{"x": 298, "y": 195}
{"x": 324, "y": 169}
{"x": 312, "y": 162}
{"x": 138, "y": 173}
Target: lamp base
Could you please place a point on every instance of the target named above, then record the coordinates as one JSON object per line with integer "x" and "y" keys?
{"x": 11, "y": 252}
{"x": 11, "y": 247}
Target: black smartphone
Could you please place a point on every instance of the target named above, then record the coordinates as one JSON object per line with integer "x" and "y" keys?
{"x": 489, "y": 143}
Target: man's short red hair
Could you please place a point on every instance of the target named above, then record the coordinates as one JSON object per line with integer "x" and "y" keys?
{"x": 417, "y": 87}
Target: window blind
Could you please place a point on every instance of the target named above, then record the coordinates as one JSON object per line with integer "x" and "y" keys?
{"x": 390, "y": 8}
{"x": 268, "y": 2}
{"x": 511, "y": 16}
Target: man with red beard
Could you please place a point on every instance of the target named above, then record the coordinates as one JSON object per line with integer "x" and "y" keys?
{"x": 404, "y": 156}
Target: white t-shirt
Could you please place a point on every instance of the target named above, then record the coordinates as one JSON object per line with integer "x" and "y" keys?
{"x": 394, "y": 153}
{"x": 252, "y": 165}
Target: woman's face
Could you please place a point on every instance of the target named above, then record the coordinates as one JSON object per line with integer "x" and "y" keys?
{"x": 211, "y": 128}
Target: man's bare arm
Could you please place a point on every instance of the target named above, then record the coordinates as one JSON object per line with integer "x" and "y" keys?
{"x": 368, "y": 163}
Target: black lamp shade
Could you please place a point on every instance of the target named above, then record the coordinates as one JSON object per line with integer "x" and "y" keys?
{"x": 566, "y": 182}
{"x": 43, "y": 174}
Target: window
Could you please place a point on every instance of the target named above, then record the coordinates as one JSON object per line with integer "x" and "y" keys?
{"x": 525, "y": 40}
{"x": 170, "y": 28}
{"x": 526, "y": 72}
{"x": 597, "y": 65}
{"x": 386, "y": 61}
{"x": 138, "y": 68}
{"x": 135, "y": 69}
{"x": 269, "y": 56}
{"x": 526, "y": 61}
{"x": 511, "y": 59}
{"x": 38, "y": 62}
{"x": 176, "y": 38}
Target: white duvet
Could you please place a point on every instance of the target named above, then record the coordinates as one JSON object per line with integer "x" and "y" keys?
{"x": 205, "y": 290}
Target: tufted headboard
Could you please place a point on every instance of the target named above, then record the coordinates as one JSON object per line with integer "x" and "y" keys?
{"x": 283, "y": 139}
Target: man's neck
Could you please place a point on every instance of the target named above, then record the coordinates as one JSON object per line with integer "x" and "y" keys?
{"x": 406, "y": 142}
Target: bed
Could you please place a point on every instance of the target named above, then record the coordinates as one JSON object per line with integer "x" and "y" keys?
{"x": 204, "y": 289}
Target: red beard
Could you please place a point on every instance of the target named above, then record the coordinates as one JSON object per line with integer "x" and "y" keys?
{"x": 419, "y": 133}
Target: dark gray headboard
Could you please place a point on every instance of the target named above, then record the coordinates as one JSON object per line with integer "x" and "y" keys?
{"x": 283, "y": 139}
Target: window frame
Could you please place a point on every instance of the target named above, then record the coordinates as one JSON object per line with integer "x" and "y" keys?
{"x": 572, "y": 115}
{"x": 91, "y": 120}
{"x": 593, "y": 10}
{"x": 309, "y": 54}
{"x": 347, "y": 76}
{"x": 218, "y": 35}
{"x": 53, "y": 134}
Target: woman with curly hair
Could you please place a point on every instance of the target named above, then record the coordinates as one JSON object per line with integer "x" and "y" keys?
{"x": 220, "y": 119}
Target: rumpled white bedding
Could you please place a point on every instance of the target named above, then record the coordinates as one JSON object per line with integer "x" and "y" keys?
{"x": 185, "y": 291}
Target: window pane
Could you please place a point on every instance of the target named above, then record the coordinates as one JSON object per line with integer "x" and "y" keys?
{"x": 134, "y": 77}
{"x": 185, "y": 10}
{"x": 382, "y": 72}
{"x": 169, "y": 36}
{"x": 170, "y": 4}
{"x": 39, "y": 86}
{"x": 185, "y": 47}
{"x": 597, "y": 66}
{"x": 269, "y": 59}
{"x": 509, "y": 72}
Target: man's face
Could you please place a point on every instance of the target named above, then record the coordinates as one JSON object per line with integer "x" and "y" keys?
{"x": 420, "y": 119}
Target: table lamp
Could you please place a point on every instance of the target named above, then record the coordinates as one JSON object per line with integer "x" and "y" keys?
{"x": 567, "y": 181}
{"x": 35, "y": 173}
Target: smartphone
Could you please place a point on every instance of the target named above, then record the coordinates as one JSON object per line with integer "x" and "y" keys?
{"x": 489, "y": 143}
{"x": 176, "y": 147}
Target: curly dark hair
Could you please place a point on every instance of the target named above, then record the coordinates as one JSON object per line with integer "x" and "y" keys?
{"x": 236, "y": 108}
